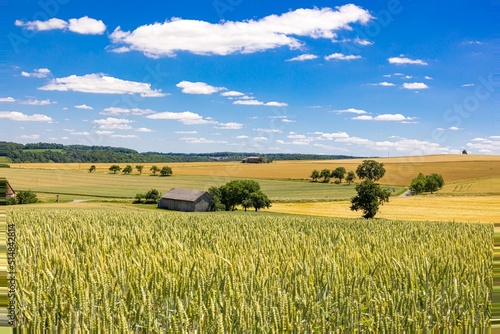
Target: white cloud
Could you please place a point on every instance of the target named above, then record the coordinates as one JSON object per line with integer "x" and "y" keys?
{"x": 112, "y": 123}
{"x": 428, "y": 77}
{"x": 259, "y": 138}
{"x": 363, "y": 42}
{"x": 303, "y": 57}
{"x": 454, "y": 128}
{"x": 37, "y": 73}
{"x": 80, "y": 133}
{"x": 341, "y": 56}
{"x": 83, "y": 106}
{"x": 468, "y": 85}
{"x": 83, "y": 25}
{"x": 268, "y": 130}
{"x": 101, "y": 84}
{"x": 384, "y": 84}
{"x": 37, "y": 25}
{"x": 29, "y": 136}
{"x": 408, "y": 77}
{"x": 145, "y": 130}
{"x": 260, "y": 103}
{"x": 384, "y": 117}
{"x": 18, "y": 116}
{"x": 187, "y": 132}
{"x": 124, "y": 136}
{"x": 198, "y": 88}
{"x": 191, "y": 140}
{"x": 415, "y": 85}
{"x": 331, "y": 136}
{"x": 104, "y": 132}
{"x": 232, "y": 93}
{"x": 185, "y": 117}
{"x": 228, "y": 37}
{"x": 87, "y": 26}
{"x": 38, "y": 102}
{"x": 490, "y": 145}
{"x": 242, "y": 137}
{"x": 124, "y": 111}
{"x": 403, "y": 60}
{"x": 7, "y": 99}
{"x": 352, "y": 111}
{"x": 229, "y": 126}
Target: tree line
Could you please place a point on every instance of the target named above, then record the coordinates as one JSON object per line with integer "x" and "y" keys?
{"x": 164, "y": 171}
{"x": 58, "y": 153}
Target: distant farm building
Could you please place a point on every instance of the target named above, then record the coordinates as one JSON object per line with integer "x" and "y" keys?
{"x": 256, "y": 160}
{"x": 186, "y": 200}
{"x": 10, "y": 192}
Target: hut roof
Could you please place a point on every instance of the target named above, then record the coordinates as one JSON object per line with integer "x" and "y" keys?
{"x": 184, "y": 194}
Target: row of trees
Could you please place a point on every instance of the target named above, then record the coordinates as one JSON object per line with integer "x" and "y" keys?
{"x": 429, "y": 183}
{"x": 338, "y": 173}
{"x": 246, "y": 193}
{"x": 164, "y": 171}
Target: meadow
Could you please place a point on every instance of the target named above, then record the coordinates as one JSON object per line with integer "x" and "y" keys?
{"x": 122, "y": 270}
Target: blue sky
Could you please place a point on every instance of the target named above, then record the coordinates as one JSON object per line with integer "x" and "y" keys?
{"x": 364, "y": 78}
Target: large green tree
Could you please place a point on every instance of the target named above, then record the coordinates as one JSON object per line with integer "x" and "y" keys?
{"x": 370, "y": 196}
{"x": 370, "y": 170}
{"x": 166, "y": 171}
{"x": 26, "y": 197}
{"x": 258, "y": 200}
{"x": 127, "y": 169}
{"x": 433, "y": 182}
{"x": 154, "y": 169}
{"x": 315, "y": 175}
{"x": 139, "y": 168}
{"x": 339, "y": 173}
{"x": 115, "y": 169}
{"x": 235, "y": 192}
{"x": 350, "y": 177}
{"x": 325, "y": 174}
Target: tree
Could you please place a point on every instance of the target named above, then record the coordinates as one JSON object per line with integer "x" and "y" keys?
{"x": 26, "y": 197}
{"x": 339, "y": 173}
{"x": 433, "y": 182}
{"x": 115, "y": 169}
{"x": 417, "y": 185}
{"x": 127, "y": 169}
{"x": 325, "y": 174}
{"x": 154, "y": 169}
{"x": 166, "y": 171}
{"x": 315, "y": 175}
{"x": 216, "y": 204}
{"x": 370, "y": 170}
{"x": 258, "y": 200}
{"x": 92, "y": 168}
{"x": 139, "y": 168}
{"x": 235, "y": 192}
{"x": 350, "y": 177}
{"x": 152, "y": 196}
{"x": 370, "y": 196}
{"x": 464, "y": 152}
{"x": 430, "y": 183}
{"x": 139, "y": 197}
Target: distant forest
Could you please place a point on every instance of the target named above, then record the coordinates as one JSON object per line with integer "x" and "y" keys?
{"x": 46, "y": 152}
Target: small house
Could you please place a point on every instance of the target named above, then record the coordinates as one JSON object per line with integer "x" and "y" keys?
{"x": 252, "y": 160}
{"x": 186, "y": 200}
{"x": 10, "y": 192}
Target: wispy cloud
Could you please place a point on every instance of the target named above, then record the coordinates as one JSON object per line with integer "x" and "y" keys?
{"x": 112, "y": 123}
{"x": 83, "y": 106}
{"x": 384, "y": 117}
{"x": 260, "y": 103}
{"x": 101, "y": 84}
{"x": 404, "y": 60}
{"x": 202, "y": 88}
{"x": 415, "y": 85}
{"x": 83, "y": 25}
{"x": 341, "y": 56}
{"x": 7, "y": 99}
{"x": 19, "y": 116}
{"x": 351, "y": 111}
{"x": 125, "y": 111}
{"x": 303, "y": 57}
{"x": 33, "y": 102}
{"x": 384, "y": 84}
{"x": 37, "y": 73}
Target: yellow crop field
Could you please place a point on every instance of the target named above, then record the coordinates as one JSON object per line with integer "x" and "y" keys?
{"x": 484, "y": 209}
{"x": 131, "y": 271}
{"x": 399, "y": 171}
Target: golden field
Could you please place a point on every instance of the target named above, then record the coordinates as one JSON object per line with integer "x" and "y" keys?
{"x": 474, "y": 209}
{"x": 471, "y": 191}
{"x": 399, "y": 170}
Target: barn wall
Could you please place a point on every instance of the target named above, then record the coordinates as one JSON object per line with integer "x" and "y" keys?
{"x": 203, "y": 203}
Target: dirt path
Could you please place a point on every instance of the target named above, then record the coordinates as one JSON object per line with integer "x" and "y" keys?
{"x": 406, "y": 194}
